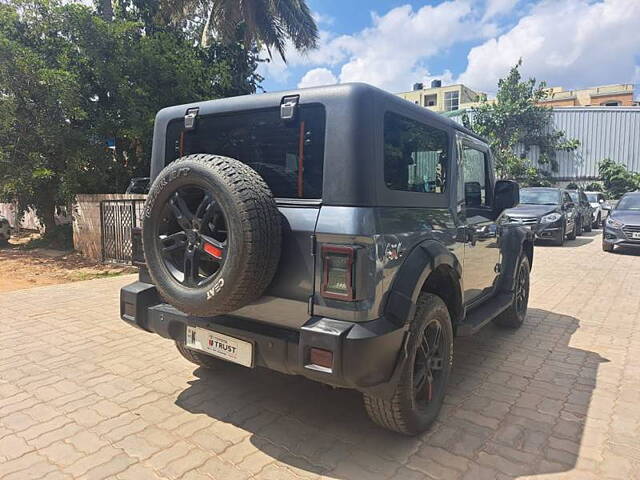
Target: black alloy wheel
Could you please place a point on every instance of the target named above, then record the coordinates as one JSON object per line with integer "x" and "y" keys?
{"x": 193, "y": 236}
{"x": 427, "y": 369}
{"x": 522, "y": 289}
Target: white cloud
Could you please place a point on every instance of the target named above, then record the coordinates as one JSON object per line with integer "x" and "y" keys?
{"x": 392, "y": 51}
{"x": 317, "y": 77}
{"x": 495, "y": 8}
{"x": 571, "y": 43}
{"x": 322, "y": 19}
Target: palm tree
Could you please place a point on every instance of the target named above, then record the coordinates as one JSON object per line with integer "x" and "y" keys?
{"x": 271, "y": 23}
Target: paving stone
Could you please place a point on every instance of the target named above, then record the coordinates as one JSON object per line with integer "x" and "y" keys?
{"x": 555, "y": 399}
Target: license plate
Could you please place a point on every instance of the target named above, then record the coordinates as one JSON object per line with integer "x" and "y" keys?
{"x": 220, "y": 345}
{"x": 635, "y": 235}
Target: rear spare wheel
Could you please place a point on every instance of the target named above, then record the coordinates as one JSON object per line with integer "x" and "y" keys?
{"x": 211, "y": 234}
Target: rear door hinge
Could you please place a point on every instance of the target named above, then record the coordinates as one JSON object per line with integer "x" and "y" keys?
{"x": 289, "y": 108}
{"x": 310, "y": 305}
{"x": 497, "y": 268}
{"x": 313, "y": 246}
{"x": 190, "y": 118}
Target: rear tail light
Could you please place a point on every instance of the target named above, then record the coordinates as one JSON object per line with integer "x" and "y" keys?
{"x": 337, "y": 272}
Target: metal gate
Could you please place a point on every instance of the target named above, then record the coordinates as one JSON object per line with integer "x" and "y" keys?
{"x": 118, "y": 218}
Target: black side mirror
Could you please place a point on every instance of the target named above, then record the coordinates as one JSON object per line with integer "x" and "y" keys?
{"x": 506, "y": 195}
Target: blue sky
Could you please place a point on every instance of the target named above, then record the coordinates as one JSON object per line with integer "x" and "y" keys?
{"x": 395, "y": 43}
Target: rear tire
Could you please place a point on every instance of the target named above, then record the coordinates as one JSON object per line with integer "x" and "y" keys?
{"x": 514, "y": 316}
{"x": 607, "y": 248}
{"x": 200, "y": 359}
{"x": 588, "y": 226}
{"x": 407, "y": 412}
{"x": 598, "y": 222}
{"x": 579, "y": 227}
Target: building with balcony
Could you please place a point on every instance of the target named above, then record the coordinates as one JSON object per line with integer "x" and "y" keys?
{"x": 619, "y": 95}
{"x": 442, "y": 99}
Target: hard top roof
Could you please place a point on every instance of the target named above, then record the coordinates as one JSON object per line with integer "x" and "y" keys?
{"x": 343, "y": 91}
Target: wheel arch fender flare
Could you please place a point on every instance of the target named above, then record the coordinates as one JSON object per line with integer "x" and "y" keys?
{"x": 419, "y": 264}
{"x": 514, "y": 242}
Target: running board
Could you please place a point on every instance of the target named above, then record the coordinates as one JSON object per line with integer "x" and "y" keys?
{"x": 480, "y": 316}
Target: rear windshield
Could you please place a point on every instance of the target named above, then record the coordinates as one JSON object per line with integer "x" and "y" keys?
{"x": 289, "y": 156}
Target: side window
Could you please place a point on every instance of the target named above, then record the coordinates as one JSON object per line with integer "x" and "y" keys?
{"x": 415, "y": 155}
{"x": 566, "y": 198}
{"x": 477, "y": 186}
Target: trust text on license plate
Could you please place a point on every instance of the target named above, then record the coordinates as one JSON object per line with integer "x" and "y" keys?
{"x": 635, "y": 235}
{"x": 219, "y": 345}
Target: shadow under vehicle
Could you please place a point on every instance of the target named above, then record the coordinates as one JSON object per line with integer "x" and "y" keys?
{"x": 338, "y": 233}
{"x": 517, "y": 401}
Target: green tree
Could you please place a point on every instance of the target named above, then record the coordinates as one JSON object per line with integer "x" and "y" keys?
{"x": 69, "y": 81}
{"x": 515, "y": 123}
{"x": 268, "y": 23}
{"x": 617, "y": 180}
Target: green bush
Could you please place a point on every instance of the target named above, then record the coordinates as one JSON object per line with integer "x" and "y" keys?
{"x": 617, "y": 179}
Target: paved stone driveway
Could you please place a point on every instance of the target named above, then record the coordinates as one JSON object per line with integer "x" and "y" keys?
{"x": 82, "y": 395}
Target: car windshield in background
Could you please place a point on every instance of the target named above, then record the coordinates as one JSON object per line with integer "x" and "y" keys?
{"x": 539, "y": 197}
{"x": 574, "y": 196}
{"x": 630, "y": 202}
{"x": 592, "y": 197}
{"x": 289, "y": 156}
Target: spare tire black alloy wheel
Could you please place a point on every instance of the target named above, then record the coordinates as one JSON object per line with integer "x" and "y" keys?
{"x": 211, "y": 234}
{"x": 194, "y": 236}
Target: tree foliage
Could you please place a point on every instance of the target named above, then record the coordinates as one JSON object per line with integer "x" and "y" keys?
{"x": 70, "y": 81}
{"x": 515, "y": 123}
{"x": 268, "y": 23}
{"x": 617, "y": 180}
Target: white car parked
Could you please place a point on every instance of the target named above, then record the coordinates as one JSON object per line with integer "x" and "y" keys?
{"x": 5, "y": 231}
{"x": 600, "y": 207}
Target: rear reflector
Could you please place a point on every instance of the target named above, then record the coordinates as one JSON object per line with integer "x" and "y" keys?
{"x": 321, "y": 358}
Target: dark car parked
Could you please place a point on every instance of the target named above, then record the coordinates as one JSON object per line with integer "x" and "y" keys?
{"x": 548, "y": 212}
{"x": 584, "y": 216}
{"x": 622, "y": 226}
{"x": 340, "y": 233}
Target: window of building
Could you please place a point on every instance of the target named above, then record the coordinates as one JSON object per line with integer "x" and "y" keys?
{"x": 430, "y": 100}
{"x": 415, "y": 155}
{"x": 476, "y": 178}
{"x": 451, "y": 101}
{"x": 610, "y": 104}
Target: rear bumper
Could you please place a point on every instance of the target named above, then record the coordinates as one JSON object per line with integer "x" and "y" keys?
{"x": 367, "y": 356}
